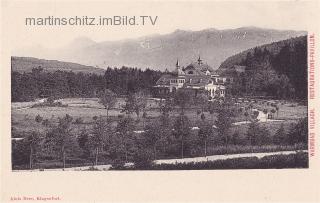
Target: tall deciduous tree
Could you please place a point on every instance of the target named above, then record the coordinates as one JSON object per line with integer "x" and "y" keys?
{"x": 165, "y": 106}
{"x": 140, "y": 102}
{"x": 123, "y": 139}
{"x": 298, "y": 133}
{"x": 257, "y": 135}
{"x": 223, "y": 124}
{"x": 99, "y": 137}
{"x": 205, "y": 132}
{"x": 280, "y": 137}
{"x": 108, "y": 99}
{"x": 182, "y": 130}
{"x": 202, "y": 101}
{"x": 60, "y": 136}
{"x": 157, "y": 133}
{"x": 182, "y": 99}
{"x": 33, "y": 140}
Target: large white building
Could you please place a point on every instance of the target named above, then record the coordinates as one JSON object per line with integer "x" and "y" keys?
{"x": 197, "y": 76}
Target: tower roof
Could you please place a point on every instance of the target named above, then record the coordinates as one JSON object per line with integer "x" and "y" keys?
{"x": 177, "y": 64}
{"x": 199, "y": 60}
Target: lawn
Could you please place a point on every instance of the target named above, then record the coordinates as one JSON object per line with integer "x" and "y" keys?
{"x": 86, "y": 108}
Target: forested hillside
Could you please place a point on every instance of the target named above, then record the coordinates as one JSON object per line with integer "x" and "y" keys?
{"x": 278, "y": 69}
{"x": 61, "y": 84}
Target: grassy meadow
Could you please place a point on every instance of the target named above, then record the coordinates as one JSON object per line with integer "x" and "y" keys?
{"x": 83, "y": 110}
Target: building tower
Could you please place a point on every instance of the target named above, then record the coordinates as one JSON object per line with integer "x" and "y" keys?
{"x": 178, "y": 68}
{"x": 199, "y": 60}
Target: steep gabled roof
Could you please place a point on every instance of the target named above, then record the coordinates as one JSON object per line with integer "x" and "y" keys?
{"x": 165, "y": 79}
{"x": 197, "y": 80}
{"x": 200, "y": 68}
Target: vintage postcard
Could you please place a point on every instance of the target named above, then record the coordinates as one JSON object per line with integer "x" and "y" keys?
{"x": 159, "y": 101}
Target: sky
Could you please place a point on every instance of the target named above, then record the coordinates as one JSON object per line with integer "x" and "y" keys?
{"x": 292, "y": 15}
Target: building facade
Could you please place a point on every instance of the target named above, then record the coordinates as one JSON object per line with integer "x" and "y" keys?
{"x": 197, "y": 77}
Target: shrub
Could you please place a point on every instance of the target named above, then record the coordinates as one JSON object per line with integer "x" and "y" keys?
{"x": 78, "y": 121}
{"x": 143, "y": 158}
{"x": 298, "y": 133}
{"x": 297, "y": 160}
{"x": 258, "y": 135}
{"x": 50, "y": 100}
{"x": 198, "y": 112}
{"x": 38, "y": 119}
{"x": 280, "y": 137}
{"x": 45, "y": 122}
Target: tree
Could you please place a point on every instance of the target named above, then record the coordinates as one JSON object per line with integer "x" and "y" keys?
{"x": 33, "y": 141}
{"x": 205, "y": 132}
{"x": 277, "y": 109}
{"x": 124, "y": 138}
{"x": 156, "y": 133}
{"x": 153, "y": 137}
{"x": 280, "y": 137}
{"x": 38, "y": 119}
{"x": 98, "y": 137}
{"x": 273, "y": 111}
{"x": 255, "y": 114}
{"x": 165, "y": 106}
{"x": 265, "y": 111}
{"x": 83, "y": 140}
{"x": 213, "y": 107}
{"x": 129, "y": 106}
{"x": 202, "y": 101}
{"x": 257, "y": 135}
{"x": 136, "y": 102}
{"x": 108, "y": 99}
{"x": 182, "y": 130}
{"x": 223, "y": 124}
{"x": 60, "y": 135}
{"x": 246, "y": 114}
{"x": 182, "y": 99}
{"x": 140, "y": 102}
{"x": 50, "y": 100}
{"x": 142, "y": 158}
{"x": 298, "y": 133}
{"x": 144, "y": 117}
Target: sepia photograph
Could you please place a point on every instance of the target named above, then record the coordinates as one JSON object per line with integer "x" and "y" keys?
{"x": 187, "y": 100}
{"x": 159, "y": 101}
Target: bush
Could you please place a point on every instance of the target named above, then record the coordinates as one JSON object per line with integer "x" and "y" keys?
{"x": 298, "y": 133}
{"x": 46, "y": 122}
{"x": 50, "y": 100}
{"x": 38, "y": 119}
{"x": 298, "y": 160}
{"x": 258, "y": 135}
{"x": 142, "y": 158}
{"x": 20, "y": 153}
{"x": 78, "y": 121}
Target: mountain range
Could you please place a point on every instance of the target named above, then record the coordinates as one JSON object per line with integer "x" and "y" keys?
{"x": 161, "y": 51}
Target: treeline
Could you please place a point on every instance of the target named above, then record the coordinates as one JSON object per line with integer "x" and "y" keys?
{"x": 281, "y": 74}
{"x": 62, "y": 84}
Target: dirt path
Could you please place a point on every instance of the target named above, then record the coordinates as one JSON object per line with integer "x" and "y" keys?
{"x": 222, "y": 157}
{"x": 175, "y": 161}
